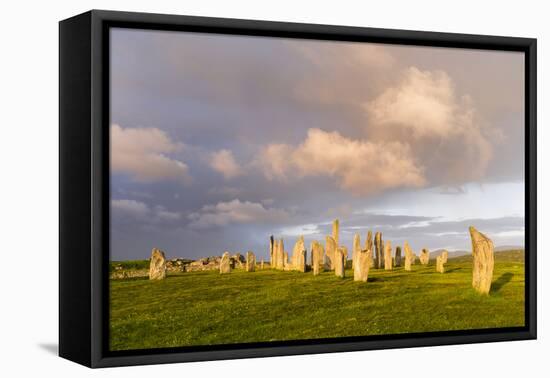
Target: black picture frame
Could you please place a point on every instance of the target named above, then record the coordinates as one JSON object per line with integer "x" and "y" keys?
{"x": 84, "y": 186}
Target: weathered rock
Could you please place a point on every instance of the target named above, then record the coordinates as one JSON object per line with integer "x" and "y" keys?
{"x": 317, "y": 257}
{"x": 356, "y": 249}
{"x": 157, "y": 265}
{"x": 336, "y": 231}
{"x": 330, "y": 253}
{"x": 398, "y": 256}
{"x": 424, "y": 256}
{"x": 409, "y": 256}
{"x": 370, "y": 247}
{"x": 387, "y": 256}
{"x": 340, "y": 261}
{"x": 440, "y": 261}
{"x": 262, "y": 264}
{"x": 379, "y": 249}
{"x": 484, "y": 261}
{"x": 362, "y": 265}
{"x": 225, "y": 263}
{"x": 299, "y": 253}
{"x": 286, "y": 264}
{"x": 271, "y": 250}
{"x": 250, "y": 262}
{"x": 280, "y": 255}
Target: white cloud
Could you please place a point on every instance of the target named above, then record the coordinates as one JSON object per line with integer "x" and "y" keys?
{"x": 224, "y": 162}
{"x": 137, "y": 210}
{"x": 235, "y": 211}
{"x": 442, "y": 129}
{"x": 361, "y": 167}
{"x": 141, "y": 153}
{"x": 133, "y": 208}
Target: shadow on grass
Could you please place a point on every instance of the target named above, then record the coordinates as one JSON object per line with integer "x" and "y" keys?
{"x": 501, "y": 281}
{"x": 452, "y": 270}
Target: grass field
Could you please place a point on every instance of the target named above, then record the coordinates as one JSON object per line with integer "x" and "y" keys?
{"x": 204, "y": 308}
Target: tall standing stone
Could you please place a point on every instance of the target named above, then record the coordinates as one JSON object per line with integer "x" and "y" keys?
{"x": 356, "y": 249}
{"x": 157, "y": 265}
{"x": 225, "y": 263}
{"x": 484, "y": 261}
{"x": 336, "y": 232}
{"x": 286, "y": 264}
{"x": 340, "y": 261}
{"x": 250, "y": 262}
{"x": 262, "y": 264}
{"x": 440, "y": 261}
{"x": 362, "y": 265}
{"x": 379, "y": 247}
{"x": 424, "y": 256}
{"x": 299, "y": 253}
{"x": 398, "y": 256}
{"x": 387, "y": 256}
{"x": 330, "y": 253}
{"x": 370, "y": 247}
{"x": 409, "y": 256}
{"x": 280, "y": 255}
{"x": 317, "y": 257}
{"x": 271, "y": 251}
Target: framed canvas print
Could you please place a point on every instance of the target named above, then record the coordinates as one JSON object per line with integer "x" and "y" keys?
{"x": 234, "y": 188}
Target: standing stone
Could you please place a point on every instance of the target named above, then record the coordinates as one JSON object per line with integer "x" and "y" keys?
{"x": 387, "y": 256}
{"x": 398, "y": 256}
{"x": 379, "y": 245}
{"x": 330, "y": 253}
{"x": 286, "y": 264}
{"x": 356, "y": 249}
{"x": 340, "y": 261}
{"x": 280, "y": 255}
{"x": 484, "y": 261}
{"x": 271, "y": 247}
{"x": 317, "y": 257}
{"x": 370, "y": 247}
{"x": 299, "y": 253}
{"x": 262, "y": 264}
{"x": 157, "y": 265}
{"x": 409, "y": 256}
{"x": 250, "y": 261}
{"x": 336, "y": 231}
{"x": 362, "y": 265}
{"x": 440, "y": 261}
{"x": 424, "y": 256}
{"x": 225, "y": 263}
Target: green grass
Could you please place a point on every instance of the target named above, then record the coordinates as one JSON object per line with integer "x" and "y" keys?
{"x": 205, "y": 308}
{"x": 129, "y": 265}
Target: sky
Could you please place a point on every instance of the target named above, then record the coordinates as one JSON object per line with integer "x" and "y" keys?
{"x": 218, "y": 142}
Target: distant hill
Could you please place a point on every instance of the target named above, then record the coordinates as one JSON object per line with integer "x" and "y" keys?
{"x": 508, "y": 248}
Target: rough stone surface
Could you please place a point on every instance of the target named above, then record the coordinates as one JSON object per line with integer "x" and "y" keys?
{"x": 330, "y": 253}
{"x": 362, "y": 265}
{"x": 336, "y": 232}
{"x": 356, "y": 249}
{"x": 340, "y": 261}
{"x": 279, "y": 255}
{"x": 424, "y": 256}
{"x": 286, "y": 263}
{"x": 369, "y": 245}
{"x": 387, "y": 256}
{"x": 398, "y": 256}
{"x": 250, "y": 262}
{"x": 299, "y": 254}
{"x": 484, "y": 261}
{"x": 440, "y": 261}
{"x": 317, "y": 257}
{"x": 379, "y": 246}
{"x": 262, "y": 264}
{"x": 409, "y": 256}
{"x": 225, "y": 263}
{"x": 271, "y": 250}
{"x": 157, "y": 266}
